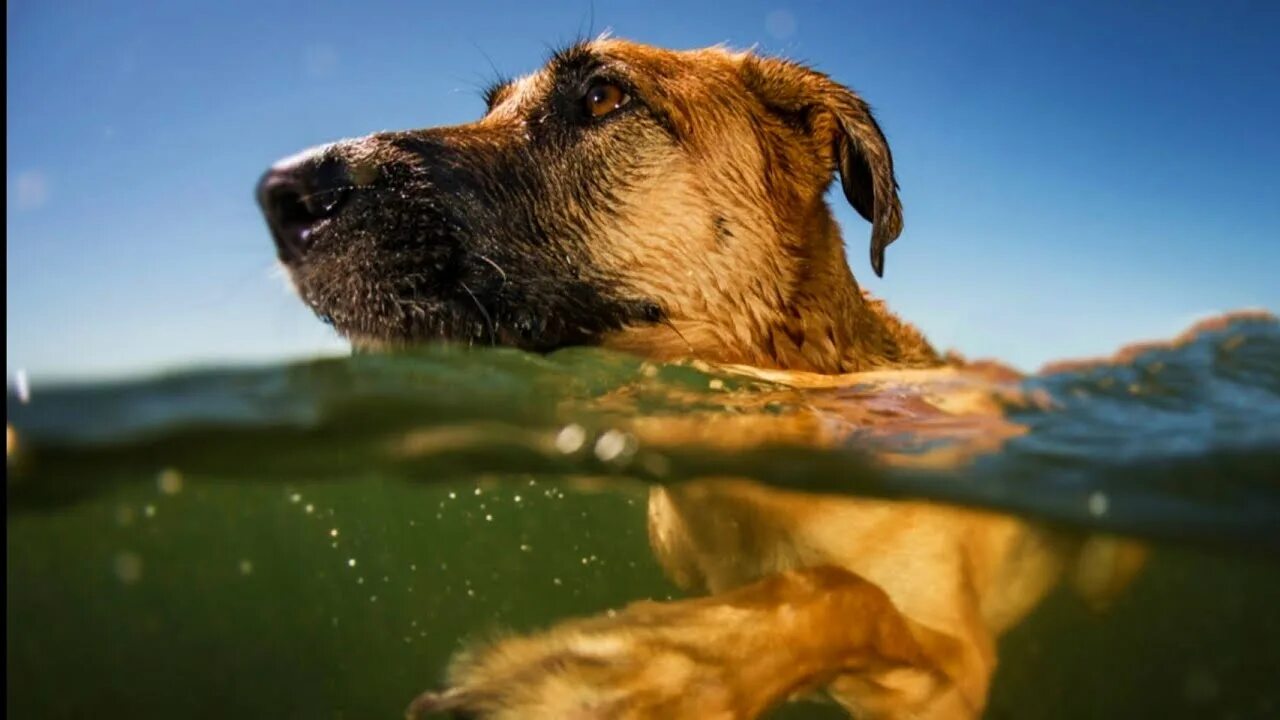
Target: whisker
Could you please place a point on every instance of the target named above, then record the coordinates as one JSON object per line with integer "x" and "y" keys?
{"x": 493, "y": 337}
{"x": 676, "y": 330}
{"x": 497, "y": 267}
{"x": 331, "y": 191}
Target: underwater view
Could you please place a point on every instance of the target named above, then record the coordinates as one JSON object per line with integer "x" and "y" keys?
{"x": 318, "y": 539}
{"x": 603, "y": 360}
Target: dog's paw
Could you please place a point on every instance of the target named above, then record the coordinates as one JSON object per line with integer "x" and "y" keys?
{"x": 725, "y": 657}
{"x": 630, "y": 666}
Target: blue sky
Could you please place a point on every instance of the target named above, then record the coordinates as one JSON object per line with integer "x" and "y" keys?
{"x": 1074, "y": 175}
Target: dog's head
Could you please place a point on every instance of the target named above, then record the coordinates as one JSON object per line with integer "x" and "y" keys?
{"x": 618, "y": 191}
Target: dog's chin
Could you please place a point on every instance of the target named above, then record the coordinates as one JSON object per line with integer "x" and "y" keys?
{"x": 364, "y": 339}
{"x": 373, "y": 344}
{"x": 391, "y": 313}
{"x": 385, "y": 320}
{"x": 383, "y": 301}
{"x": 394, "y": 324}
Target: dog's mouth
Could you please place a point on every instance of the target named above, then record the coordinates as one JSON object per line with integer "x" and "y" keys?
{"x": 379, "y": 260}
{"x": 382, "y": 291}
{"x": 393, "y": 269}
{"x": 387, "y": 300}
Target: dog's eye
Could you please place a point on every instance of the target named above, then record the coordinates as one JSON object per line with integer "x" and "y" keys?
{"x": 603, "y": 98}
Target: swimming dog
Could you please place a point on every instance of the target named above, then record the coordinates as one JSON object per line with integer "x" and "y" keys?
{"x": 672, "y": 204}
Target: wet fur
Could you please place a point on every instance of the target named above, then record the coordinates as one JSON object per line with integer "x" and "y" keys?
{"x": 691, "y": 222}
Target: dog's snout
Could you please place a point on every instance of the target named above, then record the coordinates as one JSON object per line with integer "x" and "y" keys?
{"x": 298, "y": 196}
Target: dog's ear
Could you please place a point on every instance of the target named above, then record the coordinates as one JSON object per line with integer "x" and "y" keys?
{"x": 859, "y": 150}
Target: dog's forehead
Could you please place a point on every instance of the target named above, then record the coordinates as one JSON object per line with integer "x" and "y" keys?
{"x": 643, "y": 55}
{"x": 661, "y": 64}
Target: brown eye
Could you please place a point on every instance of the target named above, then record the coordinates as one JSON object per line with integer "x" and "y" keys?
{"x": 604, "y": 98}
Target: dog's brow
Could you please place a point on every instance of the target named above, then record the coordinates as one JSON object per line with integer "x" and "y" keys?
{"x": 573, "y": 57}
{"x": 496, "y": 91}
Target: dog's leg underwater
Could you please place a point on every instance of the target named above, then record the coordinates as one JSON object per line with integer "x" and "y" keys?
{"x": 732, "y": 655}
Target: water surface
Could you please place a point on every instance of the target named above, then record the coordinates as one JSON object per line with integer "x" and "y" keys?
{"x": 315, "y": 539}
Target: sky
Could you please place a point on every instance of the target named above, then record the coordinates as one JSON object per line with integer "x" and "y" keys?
{"x": 1075, "y": 176}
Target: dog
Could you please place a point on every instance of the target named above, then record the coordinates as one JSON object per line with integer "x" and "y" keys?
{"x": 672, "y": 204}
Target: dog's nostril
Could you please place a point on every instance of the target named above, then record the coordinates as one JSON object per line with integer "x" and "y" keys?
{"x": 295, "y": 198}
{"x": 285, "y": 204}
{"x": 290, "y": 205}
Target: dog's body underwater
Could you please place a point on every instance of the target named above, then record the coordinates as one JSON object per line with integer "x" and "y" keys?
{"x": 671, "y": 204}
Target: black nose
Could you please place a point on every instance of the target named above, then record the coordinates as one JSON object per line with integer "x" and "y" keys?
{"x": 296, "y": 197}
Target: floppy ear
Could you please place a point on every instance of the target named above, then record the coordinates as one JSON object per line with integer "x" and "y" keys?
{"x": 859, "y": 150}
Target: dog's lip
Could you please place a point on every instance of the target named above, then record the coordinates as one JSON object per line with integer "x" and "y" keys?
{"x": 294, "y": 250}
{"x": 306, "y": 233}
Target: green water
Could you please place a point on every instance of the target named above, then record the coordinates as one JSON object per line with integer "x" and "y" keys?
{"x": 315, "y": 540}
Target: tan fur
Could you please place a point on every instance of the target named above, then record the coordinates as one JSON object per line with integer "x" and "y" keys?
{"x": 893, "y": 607}
{"x": 731, "y": 230}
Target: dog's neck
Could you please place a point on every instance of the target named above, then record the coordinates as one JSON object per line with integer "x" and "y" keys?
{"x": 816, "y": 320}
{"x": 829, "y": 325}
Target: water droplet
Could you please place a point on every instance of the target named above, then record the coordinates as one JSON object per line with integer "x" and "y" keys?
{"x": 614, "y": 445}
{"x": 310, "y": 508}
{"x": 1098, "y": 504}
{"x": 295, "y": 498}
{"x": 570, "y": 439}
{"x": 169, "y": 481}
{"x": 149, "y": 511}
{"x": 351, "y": 562}
{"x": 21, "y": 387}
{"x": 333, "y": 532}
{"x": 246, "y": 567}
